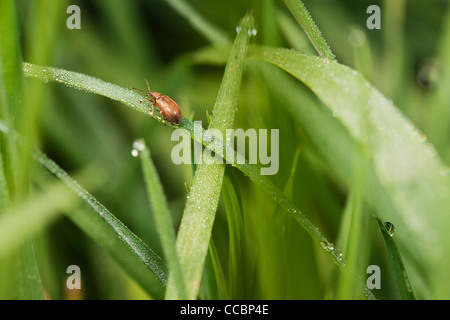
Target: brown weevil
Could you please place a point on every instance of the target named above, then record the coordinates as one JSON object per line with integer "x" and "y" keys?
{"x": 168, "y": 108}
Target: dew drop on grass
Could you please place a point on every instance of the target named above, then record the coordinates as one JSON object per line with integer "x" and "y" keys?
{"x": 390, "y": 228}
{"x": 356, "y": 37}
{"x": 138, "y": 147}
{"x": 252, "y": 32}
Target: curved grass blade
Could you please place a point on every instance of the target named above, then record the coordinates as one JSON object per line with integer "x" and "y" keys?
{"x": 134, "y": 244}
{"x": 409, "y": 178}
{"x": 403, "y": 287}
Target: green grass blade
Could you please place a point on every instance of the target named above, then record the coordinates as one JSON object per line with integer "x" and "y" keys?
{"x": 308, "y": 25}
{"x": 407, "y": 169}
{"x": 438, "y": 126}
{"x": 4, "y": 192}
{"x": 11, "y": 85}
{"x": 23, "y": 275}
{"x": 128, "y": 249}
{"x": 131, "y": 99}
{"x": 354, "y": 236}
{"x": 236, "y": 268}
{"x": 134, "y": 243}
{"x": 198, "y": 217}
{"x": 403, "y": 287}
{"x": 218, "y": 272}
{"x": 162, "y": 216}
{"x": 200, "y": 23}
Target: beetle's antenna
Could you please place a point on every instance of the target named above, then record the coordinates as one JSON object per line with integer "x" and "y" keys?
{"x": 132, "y": 88}
{"x": 148, "y": 86}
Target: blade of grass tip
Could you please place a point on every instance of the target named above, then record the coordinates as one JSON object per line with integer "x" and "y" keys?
{"x": 162, "y": 216}
{"x": 402, "y": 285}
{"x": 200, "y": 23}
{"x": 196, "y": 225}
{"x": 304, "y": 19}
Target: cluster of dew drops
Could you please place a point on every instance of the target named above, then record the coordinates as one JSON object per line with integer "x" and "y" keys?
{"x": 251, "y": 32}
{"x": 138, "y": 147}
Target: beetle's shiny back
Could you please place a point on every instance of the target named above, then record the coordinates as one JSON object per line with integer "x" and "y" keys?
{"x": 168, "y": 108}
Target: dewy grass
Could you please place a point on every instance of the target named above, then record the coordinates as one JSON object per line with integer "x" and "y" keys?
{"x": 406, "y": 167}
{"x": 131, "y": 99}
{"x": 308, "y": 25}
{"x": 196, "y": 225}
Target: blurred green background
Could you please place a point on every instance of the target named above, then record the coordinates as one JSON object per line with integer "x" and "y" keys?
{"x": 125, "y": 42}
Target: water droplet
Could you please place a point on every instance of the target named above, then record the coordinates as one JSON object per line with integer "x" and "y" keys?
{"x": 252, "y": 32}
{"x": 238, "y": 29}
{"x": 138, "y": 146}
{"x": 390, "y": 228}
{"x": 356, "y": 37}
{"x": 135, "y": 153}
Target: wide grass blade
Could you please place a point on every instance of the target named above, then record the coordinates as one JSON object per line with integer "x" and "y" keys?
{"x": 407, "y": 181}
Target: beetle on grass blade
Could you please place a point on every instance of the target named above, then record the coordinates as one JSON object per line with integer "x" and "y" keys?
{"x": 167, "y": 107}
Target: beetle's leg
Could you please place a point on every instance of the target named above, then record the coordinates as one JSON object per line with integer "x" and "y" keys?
{"x": 153, "y": 108}
{"x": 142, "y": 101}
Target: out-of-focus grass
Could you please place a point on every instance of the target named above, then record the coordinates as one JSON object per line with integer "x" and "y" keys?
{"x": 124, "y": 42}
